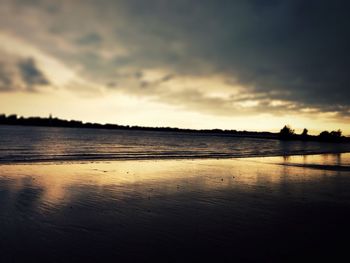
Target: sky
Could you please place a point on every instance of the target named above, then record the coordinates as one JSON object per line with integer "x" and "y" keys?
{"x": 235, "y": 64}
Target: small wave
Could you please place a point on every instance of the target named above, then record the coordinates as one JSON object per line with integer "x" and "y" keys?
{"x": 159, "y": 156}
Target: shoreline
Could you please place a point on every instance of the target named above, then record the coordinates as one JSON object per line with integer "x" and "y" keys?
{"x": 156, "y": 158}
{"x": 265, "y": 135}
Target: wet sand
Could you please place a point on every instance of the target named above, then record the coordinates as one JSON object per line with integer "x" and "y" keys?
{"x": 237, "y": 210}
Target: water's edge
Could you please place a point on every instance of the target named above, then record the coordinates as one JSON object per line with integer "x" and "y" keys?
{"x": 157, "y": 158}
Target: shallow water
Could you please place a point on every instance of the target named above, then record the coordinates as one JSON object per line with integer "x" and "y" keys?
{"x": 243, "y": 210}
{"x": 36, "y": 144}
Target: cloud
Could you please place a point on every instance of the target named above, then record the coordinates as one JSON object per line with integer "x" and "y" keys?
{"x": 30, "y": 73}
{"x": 90, "y": 39}
{"x": 287, "y": 50}
{"x": 20, "y": 74}
{"x": 293, "y": 52}
{"x": 5, "y": 77}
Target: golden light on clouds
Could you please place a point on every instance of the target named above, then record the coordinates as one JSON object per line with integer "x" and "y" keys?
{"x": 109, "y": 64}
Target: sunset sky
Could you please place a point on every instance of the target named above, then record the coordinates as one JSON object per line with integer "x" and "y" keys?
{"x": 238, "y": 64}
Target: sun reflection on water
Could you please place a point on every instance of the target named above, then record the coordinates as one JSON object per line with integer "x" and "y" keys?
{"x": 62, "y": 182}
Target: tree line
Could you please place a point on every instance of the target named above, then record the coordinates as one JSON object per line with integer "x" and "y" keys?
{"x": 13, "y": 119}
{"x": 287, "y": 133}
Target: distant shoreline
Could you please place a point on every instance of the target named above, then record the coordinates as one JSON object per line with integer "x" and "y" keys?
{"x": 60, "y": 123}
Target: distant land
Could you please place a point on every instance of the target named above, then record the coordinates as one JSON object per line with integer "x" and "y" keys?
{"x": 286, "y": 132}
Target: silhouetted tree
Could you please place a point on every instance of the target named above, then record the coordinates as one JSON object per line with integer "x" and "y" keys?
{"x": 305, "y": 132}
{"x": 324, "y": 134}
{"x": 336, "y": 134}
{"x": 286, "y": 132}
{"x": 12, "y": 117}
{"x": 331, "y": 136}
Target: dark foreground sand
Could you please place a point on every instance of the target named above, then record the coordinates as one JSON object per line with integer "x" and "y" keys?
{"x": 234, "y": 210}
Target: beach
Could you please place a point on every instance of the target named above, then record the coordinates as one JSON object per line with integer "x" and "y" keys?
{"x": 266, "y": 209}
{"x": 174, "y": 131}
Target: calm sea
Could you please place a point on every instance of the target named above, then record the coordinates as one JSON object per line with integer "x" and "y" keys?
{"x": 37, "y": 144}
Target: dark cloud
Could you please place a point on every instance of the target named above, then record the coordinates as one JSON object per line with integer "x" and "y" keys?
{"x": 21, "y": 74}
{"x": 139, "y": 75}
{"x": 290, "y": 50}
{"x": 30, "y": 73}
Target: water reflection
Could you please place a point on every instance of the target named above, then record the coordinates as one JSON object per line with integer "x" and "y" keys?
{"x": 135, "y": 210}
